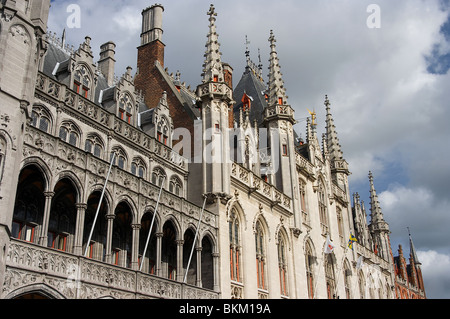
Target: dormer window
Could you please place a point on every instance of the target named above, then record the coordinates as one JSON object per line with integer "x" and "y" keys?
{"x": 162, "y": 134}
{"x": 126, "y": 108}
{"x": 216, "y": 78}
{"x": 82, "y": 81}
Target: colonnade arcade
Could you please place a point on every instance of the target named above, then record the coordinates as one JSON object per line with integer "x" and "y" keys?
{"x": 56, "y": 218}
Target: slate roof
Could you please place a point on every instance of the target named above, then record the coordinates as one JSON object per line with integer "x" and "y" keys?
{"x": 254, "y": 87}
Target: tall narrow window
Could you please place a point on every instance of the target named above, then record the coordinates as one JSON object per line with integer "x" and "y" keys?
{"x": 323, "y": 216}
{"x": 282, "y": 266}
{"x": 234, "y": 247}
{"x": 309, "y": 261}
{"x": 126, "y": 108}
{"x": 260, "y": 257}
{"x": 162, "y": 131}
{"x": 82, "y": 81}
{"x": 340, "y": 225}
{"x": 329, "y": 276}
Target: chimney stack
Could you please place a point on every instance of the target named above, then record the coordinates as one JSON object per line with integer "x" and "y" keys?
{"x": 152, "y": 24}
{"x": 107, "y": 61}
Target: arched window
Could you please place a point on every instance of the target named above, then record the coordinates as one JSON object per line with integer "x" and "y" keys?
{"x": 309, "y": 261}
{"x": 169, "y": 251}
{"x": 329, "y": 276}
{"x": 82, "y": 81}
{"x": 62, "y": 221}
{"x": 126, "y": 108}
{"x": 260, "y": 257}
{"x": 138, "y": 167}
{"x": 189, "y": 236}
{"x": 162, "y": 130}
{"x": 235, "y": 247}
{"x": 29, "y": 205}
{"x": 207, "y": 265}
{"x": 158, "y": 176}
{"x": 121, "y": 159}
{"x": 97, "y": 245}
{"x": 122, "y": 236}
{"x": 323, "y": 214}
{"x": 302, "y": 188}
{"x": 175, "y": 186}
{"x": 94, "y": 145}
{"x": 40, "y": 118}
{"x": 282, "y": 266}
{"x": 340, "y": 225}
{"x": 362, "y": 285}
{"x": 69, "y": 133}
{"x": 347, "y": 282}
{"x": 149, "y": 260}
{"x": 3, "y": 145}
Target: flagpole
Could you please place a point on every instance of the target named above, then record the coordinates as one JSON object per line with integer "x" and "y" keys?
{"x": 99, "y": 204}
{"x": 151, "y": 225}
{"x": 195, "y": 239}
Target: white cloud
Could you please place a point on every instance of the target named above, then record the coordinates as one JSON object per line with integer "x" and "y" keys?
{"x": 435, "y": 268}
{"x": 389, "y": 112}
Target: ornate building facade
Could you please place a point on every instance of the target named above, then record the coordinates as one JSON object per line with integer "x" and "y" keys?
{"x": 139, "y": 187}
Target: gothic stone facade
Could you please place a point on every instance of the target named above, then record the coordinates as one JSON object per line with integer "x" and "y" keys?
{"x": 98, "y": 199}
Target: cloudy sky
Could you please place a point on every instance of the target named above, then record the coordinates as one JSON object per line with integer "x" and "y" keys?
{"x": 389, "y": 88}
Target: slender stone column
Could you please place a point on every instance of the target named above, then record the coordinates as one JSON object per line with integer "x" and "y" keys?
{"x": 79, "y": 230}
{"x": 159, "y": 237}
{"x": 110, "y": 220}
{"x": 44, "y": 230}
{"x": 135, "y": 247}
{"x": 180, "y": 273}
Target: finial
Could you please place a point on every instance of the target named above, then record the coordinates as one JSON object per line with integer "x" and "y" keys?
{"x": 247, "y": 51}
{"x": 212, "y": 12}
{"x": 327, "y": 101}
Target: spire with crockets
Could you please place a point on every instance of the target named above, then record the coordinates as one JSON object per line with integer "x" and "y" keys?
{"x": 212, "y": 68}
{"x": 277, "y": 91}
{"x": 277, "y": 104}
{"x": 338, "y": 163}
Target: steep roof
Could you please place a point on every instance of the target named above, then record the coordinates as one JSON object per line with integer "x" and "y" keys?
{"x": 252, "y": 85}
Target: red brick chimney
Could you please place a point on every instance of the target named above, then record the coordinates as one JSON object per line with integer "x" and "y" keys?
{"x": 150, "y": 51}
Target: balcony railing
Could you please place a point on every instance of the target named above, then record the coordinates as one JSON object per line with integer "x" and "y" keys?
{"x": 76, "y": 277}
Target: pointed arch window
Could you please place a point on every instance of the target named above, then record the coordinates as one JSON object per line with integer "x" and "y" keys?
{"x": 260, "y": 257}
{"x": 138, "y": 167}
{"x": 121, "y": 159}
{"x": 347, "y": 281}
{"x": 126, "y": 108}
{"x": 323, "y": 214}
{"x": 82, "y": 81}
{"x": 309, "y": 261}
{"x": 40, "y": 119}
{"x": 69, "y": 133}
{"x": 235, "y": 247}
{"x": 158, "y": 176}
{"x": 162, "y": 131}
{"x": 302, "y": 189}
{"x": 282, "y": 266}
{"x": 329, "y": 276}
{"x": 175, "y": 186}
{"x": 94, "y": 145}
